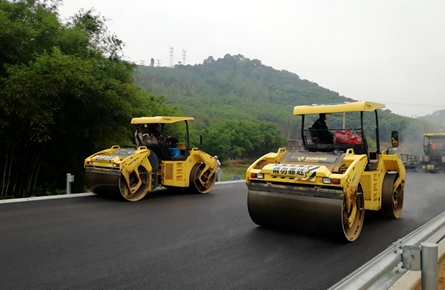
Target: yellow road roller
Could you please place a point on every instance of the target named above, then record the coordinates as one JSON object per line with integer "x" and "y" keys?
{"x": 326, "y": 184}
{"x": 158, "y": 159}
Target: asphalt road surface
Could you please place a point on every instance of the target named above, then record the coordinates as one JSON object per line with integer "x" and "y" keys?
{"x": 186, "y": 241}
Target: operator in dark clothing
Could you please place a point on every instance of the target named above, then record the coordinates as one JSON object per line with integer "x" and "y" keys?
{"x": 321, "y": 128}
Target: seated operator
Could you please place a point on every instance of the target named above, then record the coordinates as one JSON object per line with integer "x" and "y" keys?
{"x": 147, "y": 134}
{"x": 321, "y": 128}
{"x": 429, "y": 147}
{"x": 153, "y": 133}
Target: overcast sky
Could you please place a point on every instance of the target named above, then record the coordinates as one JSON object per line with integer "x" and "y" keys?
{"x": 389, "y": 51}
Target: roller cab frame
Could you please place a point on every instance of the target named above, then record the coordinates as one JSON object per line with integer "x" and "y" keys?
{"x": 434, "y": 148}
{"x": 132, "y": 172}
{"x": 326, "y": 188}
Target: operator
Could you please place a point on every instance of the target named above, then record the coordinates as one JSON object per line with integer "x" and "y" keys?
{"x": 430, "y": 147}
{"x": 147, "y": 134}
{"x": 153, "y": 133}
{"x": 218, "y": 168}
{"x": 218, "y": 163}
{"x": 321, "y": 128}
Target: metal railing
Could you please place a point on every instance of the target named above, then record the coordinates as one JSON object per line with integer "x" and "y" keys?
{"x": 386, "y": 268}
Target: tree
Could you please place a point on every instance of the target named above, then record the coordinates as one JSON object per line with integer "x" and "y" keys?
{"x": 65, "y": 93}
{"x": 233, "y": 139}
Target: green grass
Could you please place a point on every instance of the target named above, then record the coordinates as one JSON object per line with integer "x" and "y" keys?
{"x": 229, "y": 171}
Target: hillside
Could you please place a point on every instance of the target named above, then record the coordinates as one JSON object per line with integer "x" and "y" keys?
{"x": 437, "y": 117}
{"x": 233, "y": 87}
{"x": 238, "y": 88}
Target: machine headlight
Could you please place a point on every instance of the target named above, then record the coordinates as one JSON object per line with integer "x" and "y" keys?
{"x": 326, "y": 180}
{"x": 257, "y": 175}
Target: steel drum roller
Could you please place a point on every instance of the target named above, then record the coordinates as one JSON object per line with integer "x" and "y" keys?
{"x": 304, "y": 210}
{"x": 102, "y": 182}
{"x": 110, "y": 182}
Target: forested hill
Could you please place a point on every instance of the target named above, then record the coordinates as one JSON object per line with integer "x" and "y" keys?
{"x": 236, "y": 87}
{"x": 438, "y": 117}
{"x": 233, "y": 87}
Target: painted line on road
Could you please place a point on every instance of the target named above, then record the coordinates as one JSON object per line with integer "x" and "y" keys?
{"x": 36, "y": 198}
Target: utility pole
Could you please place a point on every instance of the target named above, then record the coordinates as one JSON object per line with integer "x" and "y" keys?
{"x": 184, "y": 56}
{"x": 171, "y": 55}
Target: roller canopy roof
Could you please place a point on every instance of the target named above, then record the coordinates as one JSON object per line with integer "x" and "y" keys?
{"x": 159, "y": 120}
{"x": 337, "y": 108}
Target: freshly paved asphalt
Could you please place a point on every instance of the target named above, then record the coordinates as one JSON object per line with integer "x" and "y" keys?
{"x": 186, "y": 241}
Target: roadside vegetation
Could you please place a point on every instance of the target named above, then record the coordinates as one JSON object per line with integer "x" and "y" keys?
{"x": 65, "y": 92}
{"x": 234, "y": 169}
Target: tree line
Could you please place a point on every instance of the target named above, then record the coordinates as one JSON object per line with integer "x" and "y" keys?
{"x": 65, "y": 93}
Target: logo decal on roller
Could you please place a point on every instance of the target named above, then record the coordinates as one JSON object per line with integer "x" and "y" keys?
{"x": 302, "y": 172}
{"x": 313, "y": 159}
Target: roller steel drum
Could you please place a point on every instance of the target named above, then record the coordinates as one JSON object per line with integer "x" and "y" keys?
{"x": 308, "y": 209}
{"x": 108, "y": 181}
{"x": 103, "y": 181}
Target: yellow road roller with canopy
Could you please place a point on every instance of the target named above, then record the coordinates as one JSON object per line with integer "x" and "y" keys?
{"x": 325, "y": 187}
{"x": 157, "y": 160}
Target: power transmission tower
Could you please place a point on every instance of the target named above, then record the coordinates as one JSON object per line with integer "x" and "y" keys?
{"x": 184, "y": 56}
{"x": 158, "y": 62}
{"x": 171, "y": 55}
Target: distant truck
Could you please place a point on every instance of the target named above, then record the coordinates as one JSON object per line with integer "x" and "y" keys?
{"x": 434, "y": 148}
